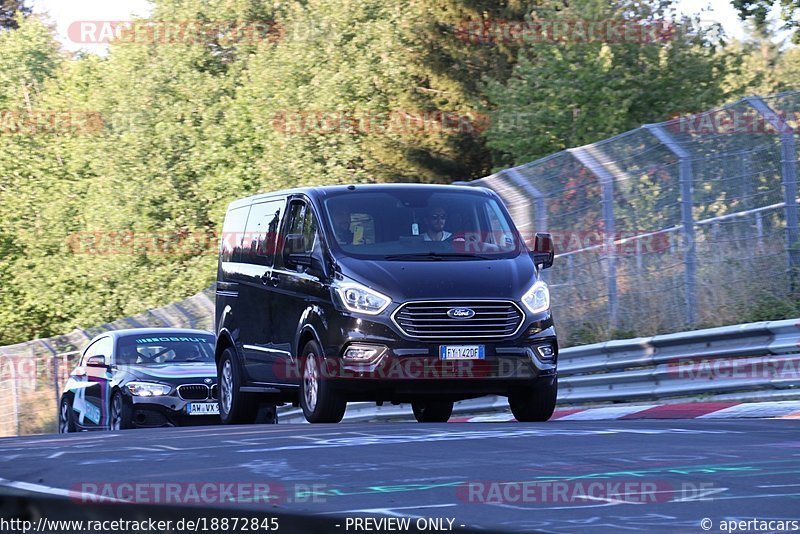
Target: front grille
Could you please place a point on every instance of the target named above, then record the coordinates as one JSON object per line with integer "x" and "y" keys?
{"x": 193, "y": 392}
{"x": 429, "y": 320}
{"x": 214, "y": 393}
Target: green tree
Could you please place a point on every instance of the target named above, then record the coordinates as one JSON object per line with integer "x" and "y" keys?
{"x": 9, "y": 9}
{"x": 566, "y": 94}
{"x": 758, "y": 12}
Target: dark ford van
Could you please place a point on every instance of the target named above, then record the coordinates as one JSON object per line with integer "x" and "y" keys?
{"x": 387, "y": 293}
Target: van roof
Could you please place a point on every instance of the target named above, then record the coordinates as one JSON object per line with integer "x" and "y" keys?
{"x": 323, "y": 191}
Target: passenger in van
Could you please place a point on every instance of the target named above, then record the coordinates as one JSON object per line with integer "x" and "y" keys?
{"x": 434, "y": 222}
{"x": 341, "y": 226}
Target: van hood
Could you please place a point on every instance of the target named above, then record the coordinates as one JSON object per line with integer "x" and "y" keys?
{"x": 506, "y": 279}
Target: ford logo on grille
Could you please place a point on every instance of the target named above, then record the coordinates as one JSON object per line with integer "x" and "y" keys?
{"x": 460, "y": 313}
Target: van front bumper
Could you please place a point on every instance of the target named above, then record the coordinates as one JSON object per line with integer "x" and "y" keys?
{"x": 403, "y": 368}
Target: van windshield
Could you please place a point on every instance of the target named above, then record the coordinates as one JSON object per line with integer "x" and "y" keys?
{"x": 424, "y": 225}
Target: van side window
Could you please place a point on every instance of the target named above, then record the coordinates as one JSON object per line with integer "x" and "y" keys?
{"x": 230, "y": 248}
{"x": 500, "y": 232}
{"x": 301, "y": 222}
{"x": 261, "y": 232}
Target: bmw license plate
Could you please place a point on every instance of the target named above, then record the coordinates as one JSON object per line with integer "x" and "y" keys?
{"x": 202, "y": 408}
{"x": 462, "y": 352}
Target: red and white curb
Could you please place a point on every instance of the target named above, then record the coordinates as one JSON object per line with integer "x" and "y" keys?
{"x": 693, "y": 410}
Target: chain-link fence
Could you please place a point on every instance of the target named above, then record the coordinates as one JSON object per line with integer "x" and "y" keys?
{"x": 33, "y": 373}
{"x": 672, "y": 226}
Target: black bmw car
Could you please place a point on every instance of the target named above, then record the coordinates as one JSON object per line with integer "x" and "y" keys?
{"x": 144, "y": 377}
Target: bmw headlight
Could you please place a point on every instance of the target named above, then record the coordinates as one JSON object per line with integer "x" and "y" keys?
{"x": 537, "y": 298}
{"x": 361, "y": 299}
{"x": 148, "y": 389}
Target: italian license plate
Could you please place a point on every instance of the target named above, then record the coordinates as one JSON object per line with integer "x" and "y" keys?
{"x": 462, "y": 352}
{"x": 202, "y": 408}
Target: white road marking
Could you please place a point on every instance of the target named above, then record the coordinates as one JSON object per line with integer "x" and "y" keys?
{"x": 755, "y": 409}
{"x": 390, "y": 511}
{"x": 59, "y": 492}
{"x": 609, "y": 412}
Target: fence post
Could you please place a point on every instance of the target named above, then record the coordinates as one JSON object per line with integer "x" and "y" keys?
{"x": 789, "y": 175}
{"x": 539, "y": 207}
{"x": 54, "y": 367}
{"x": 607, "y": 184}
{"x": 685, "y": 175}
{"x": 14, "y": 393}
{"x": 745, "y": 170}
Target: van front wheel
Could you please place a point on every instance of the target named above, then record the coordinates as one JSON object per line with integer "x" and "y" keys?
{"x": 536, "y": 404}
{"x": 235, "y": 408}
{"x": 320, "y": 402}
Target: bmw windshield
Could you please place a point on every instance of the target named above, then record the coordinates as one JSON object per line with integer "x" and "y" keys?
{"x": 421, "y": 225}
{"x": 165, "y": 349}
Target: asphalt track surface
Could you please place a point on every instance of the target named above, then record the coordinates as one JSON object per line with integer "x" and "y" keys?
{"x": 484, "y": 475}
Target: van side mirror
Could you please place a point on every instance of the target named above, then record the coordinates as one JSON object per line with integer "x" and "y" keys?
{"x": 298, "y": 260}
{"x": 295, "y": 255}
{"x": 543, "y": 252}
{"x": 294, "y": 244}
{"x": 96, "y": 361}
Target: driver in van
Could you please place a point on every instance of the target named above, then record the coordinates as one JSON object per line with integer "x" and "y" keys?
{"x": 341, "y": 226}
{"x": 434, "y": 222}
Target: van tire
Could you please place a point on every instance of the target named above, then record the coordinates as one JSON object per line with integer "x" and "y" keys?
{"x": 239, "y": 408}
{"x": 432, "y": 411}
{"x": 536, "y": 404}
{"x": 320, "y": 402}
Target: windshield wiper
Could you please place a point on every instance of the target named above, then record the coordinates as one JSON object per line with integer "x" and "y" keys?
{"x": 438, "y": 256}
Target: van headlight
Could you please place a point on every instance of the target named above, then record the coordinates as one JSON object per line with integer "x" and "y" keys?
{"x": 537, "y": 298}
{"x": 361, "y": 299}
{"x": 148, "y": 389}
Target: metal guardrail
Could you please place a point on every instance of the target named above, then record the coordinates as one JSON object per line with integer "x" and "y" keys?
{"x": 755, "y": 361}
{"x": 745, "y": 362}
